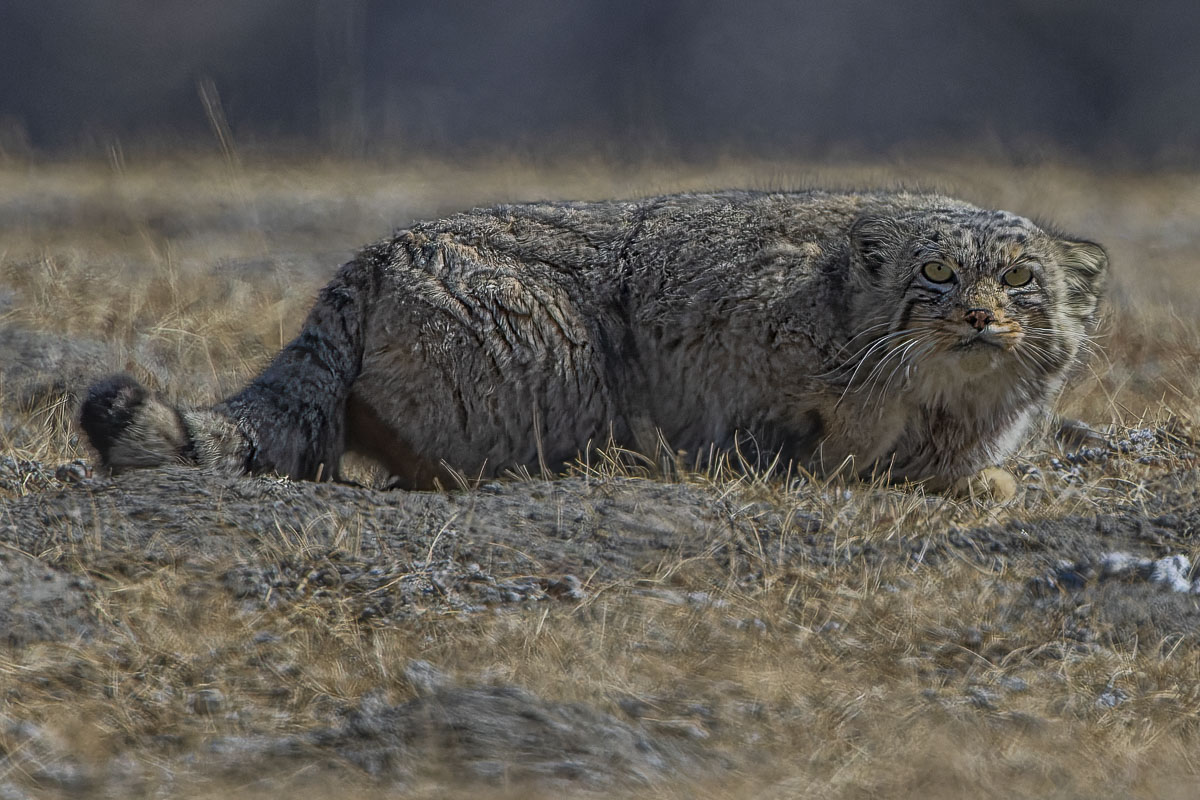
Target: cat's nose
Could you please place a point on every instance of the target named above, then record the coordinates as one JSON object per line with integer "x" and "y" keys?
{"x": 979, "y": 318}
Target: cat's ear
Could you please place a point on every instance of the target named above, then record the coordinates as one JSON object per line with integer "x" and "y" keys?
{"x": 1085, "y": 267}
{"x": 875, "y": 242}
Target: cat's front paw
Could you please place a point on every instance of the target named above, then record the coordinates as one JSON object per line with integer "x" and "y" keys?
{"x": 990, "y": 484}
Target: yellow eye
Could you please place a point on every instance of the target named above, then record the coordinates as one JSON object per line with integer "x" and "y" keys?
{"x": 1018, "y": 276}
{"x": 937, "y": 272}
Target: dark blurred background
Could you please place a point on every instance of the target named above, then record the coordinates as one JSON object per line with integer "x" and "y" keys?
{"x": 628, "y": 78}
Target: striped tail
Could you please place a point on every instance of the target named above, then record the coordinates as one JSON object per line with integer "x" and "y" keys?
{"x": 291, "y": 419}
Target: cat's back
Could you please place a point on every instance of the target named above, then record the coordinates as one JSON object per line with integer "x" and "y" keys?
{"x": 688, "y": 260}
{"x": 675, "y": 230}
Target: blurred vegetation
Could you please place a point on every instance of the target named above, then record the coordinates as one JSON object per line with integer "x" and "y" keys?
{"x": 1101, "y": 80}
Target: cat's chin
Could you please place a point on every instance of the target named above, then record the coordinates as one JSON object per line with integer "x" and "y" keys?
{"x": 970, "y": 361}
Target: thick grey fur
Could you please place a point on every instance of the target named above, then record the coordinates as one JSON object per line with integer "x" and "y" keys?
{"x": 797, "y": 325}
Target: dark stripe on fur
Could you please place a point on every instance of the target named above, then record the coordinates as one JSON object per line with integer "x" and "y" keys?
{"x": 110, "y": 405}
{"x": 188, "y": 452}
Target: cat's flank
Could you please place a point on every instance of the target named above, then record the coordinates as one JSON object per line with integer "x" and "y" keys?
{"x": 912, "y": 336}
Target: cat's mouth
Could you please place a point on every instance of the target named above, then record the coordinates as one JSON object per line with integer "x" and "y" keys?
{"x": 978, "y": 341}
{"x": 1000, "y": 340}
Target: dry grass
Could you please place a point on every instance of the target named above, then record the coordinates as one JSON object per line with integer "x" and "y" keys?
{"x": 823, "y": 682}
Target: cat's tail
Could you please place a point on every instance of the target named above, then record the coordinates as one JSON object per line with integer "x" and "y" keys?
{"x": 291, "y": 419}
{"x": 131, "y": 427}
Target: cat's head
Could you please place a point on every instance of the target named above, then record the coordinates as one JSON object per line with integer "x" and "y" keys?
{"x": 959, "y": 285}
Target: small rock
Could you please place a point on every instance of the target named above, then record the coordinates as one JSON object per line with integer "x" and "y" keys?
{"x": 1173, "y": 572}
{"x": 73, "y": 471}
{"x": 568, "y": 587}
{"x": 1111, "y": 698}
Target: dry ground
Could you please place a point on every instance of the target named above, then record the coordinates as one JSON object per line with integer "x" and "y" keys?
{"x": 619, "y": 631}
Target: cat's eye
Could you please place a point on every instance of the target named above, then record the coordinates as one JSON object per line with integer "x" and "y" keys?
{"x": 937, "y": 272}
{"x": 1018, "y": 276}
